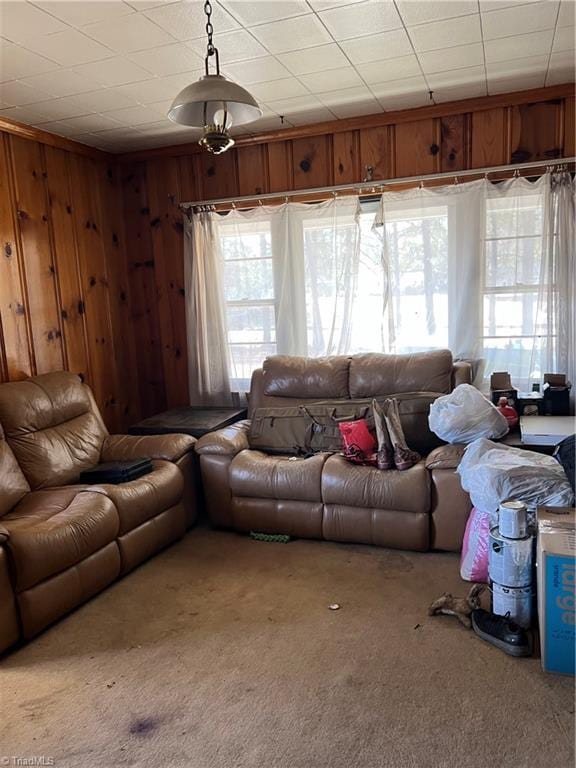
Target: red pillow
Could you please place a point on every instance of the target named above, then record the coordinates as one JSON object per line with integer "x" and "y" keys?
{"x": 356, "y": 435}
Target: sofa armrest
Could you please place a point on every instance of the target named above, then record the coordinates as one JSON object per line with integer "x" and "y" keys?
{"x": 461, "y": 373}
{"x": 445, "y": 457}
{"x": 225, "y": 442}
{"x": 127, "y": 447}
{"x": 4, "y": 534}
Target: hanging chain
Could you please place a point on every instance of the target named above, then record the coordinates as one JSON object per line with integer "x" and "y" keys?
{"x": 209, "y": 27}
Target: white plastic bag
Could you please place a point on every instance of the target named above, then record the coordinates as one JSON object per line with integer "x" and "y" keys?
{"x": 493, "y": 473}
{"x": 465, "y": 415}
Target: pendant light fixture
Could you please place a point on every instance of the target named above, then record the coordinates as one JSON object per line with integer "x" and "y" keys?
{"x": 214, "y": 103}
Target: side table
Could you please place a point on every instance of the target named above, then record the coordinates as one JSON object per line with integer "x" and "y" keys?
{"x": 190, "y": 420}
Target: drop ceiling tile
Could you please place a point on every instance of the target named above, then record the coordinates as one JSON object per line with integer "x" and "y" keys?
{"x": 129, "y": 33}
{"x": 16, "y": 62}
{"x": 296, "y": 104}
{"x": 114, "y": 71}
{"x": 494, "y": 5}
{"x": 518, "y": 47}
{"x": 344, "y": 96}
{"x": 457, "y": 77}
{"x": 79, "y": 14}
{"x": 368, "y": 106}
{"x": 318, "y": 59}
{"x": 118, "y": 133}
{"x": 452, "y": 58}
{"x": 59, "y": 109}
{"x": 389, "y": 69}
{"x": 433, "y": 10}
{"x": 459, "y": 92}
{"x": 393, "y": 102}
{"x": 516, "y": 83}
{"x": 291, "y": 34}
{"x": 25, "y": 115}
{"x": 308, "y": 117}
{"x": 358, "y": 20}
{"x": 66, "y": 83}
{"x": 158, "y": 88}
{"x": 186, "y": 21}
{"x": 400, "y": 88}
{"x": 104, "y": 100}
{"x": 58, "y": 127}
{"x": 325, "y": 5}
{"x": 319, "y": 82}
{"x": 278, "y": 89}
{"x": 566, "y": 16}
{"x": 167, "y": 59}
{"x": 237, "y": 45}
{"x": 21, "y": 21}
{"x": 250, "y": 13}
{"x": 561, "y": 69}
{"x": 146, "y": 5}
{"x": 386, "y": 45}
{"x": 257, "y": 70}
{"x": 531, "y": 65}
{"x": 16, "y": 93}
{"x": 89, "y": 123}
{"x": 446, "y": 34}
{"x": 135, "y": 115}
{"x": 563, "y": 40}
{"x": 507, "y": 22}
{"x": 69, "y": 48}
{"x": 270, "y": 123}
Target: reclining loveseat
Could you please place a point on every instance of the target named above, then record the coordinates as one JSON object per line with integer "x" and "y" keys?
{"x": 62, "y": 542}
{"x": 324, "y": 496}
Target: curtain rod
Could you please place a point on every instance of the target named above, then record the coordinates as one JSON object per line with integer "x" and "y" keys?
{"x": 373, "y": 187}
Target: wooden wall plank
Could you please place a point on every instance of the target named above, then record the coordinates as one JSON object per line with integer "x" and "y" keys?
{"x": 190, "y": 189}
{"x": 489, "y": 138}
{"x": 168, "y": 249}
{"x": 37, "y": 256}
{"x": 143, "y": 289}
{"x": 376, "y": 153}
{"x": 219, "y": 175}
{"x": 535, "y": 131}
{"x": 64, "y": 237}
{"x": 417, "y": 148}
{"x": 18, "y": 361}
{"x": 455, "y": 143}
{"x": 311, "y": 162}
{"x": 279, "y": 167}
{"x": 252, "y": 172}
{"x": 346, "y": 157}
{"x": 127, "y": 400}
{"x": 569, "y": 127}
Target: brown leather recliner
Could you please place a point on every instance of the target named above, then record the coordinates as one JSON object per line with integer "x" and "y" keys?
{"x": 325, "y": 496}
{"x": 61, "y": 542}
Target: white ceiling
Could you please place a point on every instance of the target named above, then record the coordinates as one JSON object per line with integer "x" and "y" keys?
{"x": 104, "y": 72}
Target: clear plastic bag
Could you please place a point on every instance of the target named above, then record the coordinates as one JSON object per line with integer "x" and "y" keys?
{"x": 465, "y": 415}
{"x": 493, "y": 473}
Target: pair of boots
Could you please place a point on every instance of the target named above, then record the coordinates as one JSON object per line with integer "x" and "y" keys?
{"x": 393, "y": 451}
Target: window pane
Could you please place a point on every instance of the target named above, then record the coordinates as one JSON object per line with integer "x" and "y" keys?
{"x": 513, "y": 262}
{"x": 249, "y": 280}
{"x": 244, "y": 358}
{"x": 514, "y": 314}
{"x": 515, "y": 216}
{"x": 245, "y": 240}
{"x": 524, "y": 359}
{"x": 251, "y": 324}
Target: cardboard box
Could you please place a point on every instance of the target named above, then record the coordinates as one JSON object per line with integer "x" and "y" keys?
{"x": 501, "y": 386}
{"x": 556, "y": 587}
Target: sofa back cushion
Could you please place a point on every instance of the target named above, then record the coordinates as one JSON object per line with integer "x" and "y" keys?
{"x": 13, "y": 484}
{"x": 53, "y": 427}
{"x": 320, "y": 378}
{"x": 373, "y": 375}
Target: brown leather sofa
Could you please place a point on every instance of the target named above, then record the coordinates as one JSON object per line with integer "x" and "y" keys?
{"x": 324, "y": 496}
{"x": 62, "y": 542}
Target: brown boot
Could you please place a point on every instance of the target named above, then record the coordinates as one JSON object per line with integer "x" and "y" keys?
{"x": 385, "y": 453}
{"x": 404, "y": 457}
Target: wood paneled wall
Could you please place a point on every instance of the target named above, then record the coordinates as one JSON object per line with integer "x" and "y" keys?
{"x": 154, "y": 182}
{"x": 64, "y": 293}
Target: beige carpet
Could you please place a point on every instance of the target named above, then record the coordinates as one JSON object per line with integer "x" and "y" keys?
{"x": 222, "y": 653}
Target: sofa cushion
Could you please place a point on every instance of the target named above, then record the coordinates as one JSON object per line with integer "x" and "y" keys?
{"x": 52, "y": 530}
{"x": 354, "y": 485}
{"x": 144, "y": 498}
{"x": 372, "y": 375}
{"x": 445, "y": 457}
{"x": 13, "y": 484}
{"x": 255, "y": 474}
{"x": 52, "y": 426}
{"x": 306, "y": 377}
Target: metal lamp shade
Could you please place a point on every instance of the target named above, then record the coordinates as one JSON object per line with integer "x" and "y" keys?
{"x": 198, "y": 103}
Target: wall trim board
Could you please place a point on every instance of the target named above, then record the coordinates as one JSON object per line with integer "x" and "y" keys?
{"x": 45, "y": 137}
{"x": 368, "y": 121}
